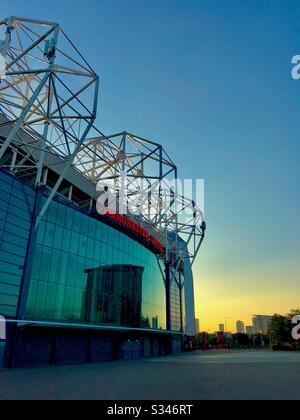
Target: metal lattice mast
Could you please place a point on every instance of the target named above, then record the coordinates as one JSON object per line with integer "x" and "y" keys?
{"x": 48, "y": 105}
{"x": 50, "y": 93}
{"x": 149, "y": 170}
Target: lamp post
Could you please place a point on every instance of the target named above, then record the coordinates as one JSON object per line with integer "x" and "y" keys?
{"x": 262, "y": 339}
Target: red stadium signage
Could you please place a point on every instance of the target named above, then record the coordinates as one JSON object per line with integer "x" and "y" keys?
{"x": 134, "y": 227}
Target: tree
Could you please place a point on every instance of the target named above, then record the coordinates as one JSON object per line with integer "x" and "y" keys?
{"x": 280, "y": 330}
{"x": 293, "y": 313}
{"x": 199, "y": 341}
{"x": 241, "y": 340}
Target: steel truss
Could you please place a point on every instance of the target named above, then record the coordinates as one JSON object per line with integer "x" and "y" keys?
{"x": 48, "y": 105}
{"x": 50, "y": 93}
{"x": 151, "y": 191}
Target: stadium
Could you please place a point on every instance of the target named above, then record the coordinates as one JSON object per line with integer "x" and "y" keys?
{"x": 78, "y": 284}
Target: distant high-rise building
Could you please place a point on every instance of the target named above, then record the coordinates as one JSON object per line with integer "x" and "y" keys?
{"x": 261, "y": 324}
{"x": 197, "y": 326}
{"x": 222, "y": 328}
{"x": 155, "y": 323}
{"x": 240, "y": 327}
{"x": 249, "y": 330}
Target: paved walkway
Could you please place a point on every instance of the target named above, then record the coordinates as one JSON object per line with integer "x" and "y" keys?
{"x": 197, "y": 376}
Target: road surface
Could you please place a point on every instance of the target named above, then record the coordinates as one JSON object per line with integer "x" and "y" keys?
{"x": 196, "y": 376}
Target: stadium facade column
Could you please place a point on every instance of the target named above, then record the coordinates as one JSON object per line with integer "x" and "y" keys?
{"x": 168, "y": 296}
{"x": 29, "y": 255}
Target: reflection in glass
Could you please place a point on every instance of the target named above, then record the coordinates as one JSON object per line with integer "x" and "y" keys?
{"x": 113, "y": 295}
{"x": 84, "y": 270}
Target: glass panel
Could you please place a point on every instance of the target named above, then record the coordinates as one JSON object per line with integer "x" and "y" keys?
{"x": 88, "y": 271}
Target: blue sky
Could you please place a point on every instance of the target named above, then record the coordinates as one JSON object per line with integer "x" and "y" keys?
{"x": 211, "y": 81}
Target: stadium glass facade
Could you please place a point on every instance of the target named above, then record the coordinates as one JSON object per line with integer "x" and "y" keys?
{"x": 75, "y": 285}
{"x": 16, "y": 210}
{"x": 78, "y": 270}
{"x": 86, "y": 271}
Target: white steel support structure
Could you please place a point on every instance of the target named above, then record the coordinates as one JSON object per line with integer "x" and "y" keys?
{"x": 48, "y": 105}
{"x": 49, "y": 92}
{"x": 152, "y": 194}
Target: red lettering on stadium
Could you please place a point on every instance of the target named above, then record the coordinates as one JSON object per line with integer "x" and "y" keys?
{"x": 134, "y": 227}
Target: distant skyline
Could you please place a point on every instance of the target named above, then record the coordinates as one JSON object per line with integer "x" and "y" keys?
{"x": 232, "y": 325}
{"x": 211, "y": 81}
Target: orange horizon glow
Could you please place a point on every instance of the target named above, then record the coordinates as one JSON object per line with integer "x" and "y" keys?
{"x": 240, "y": 295}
